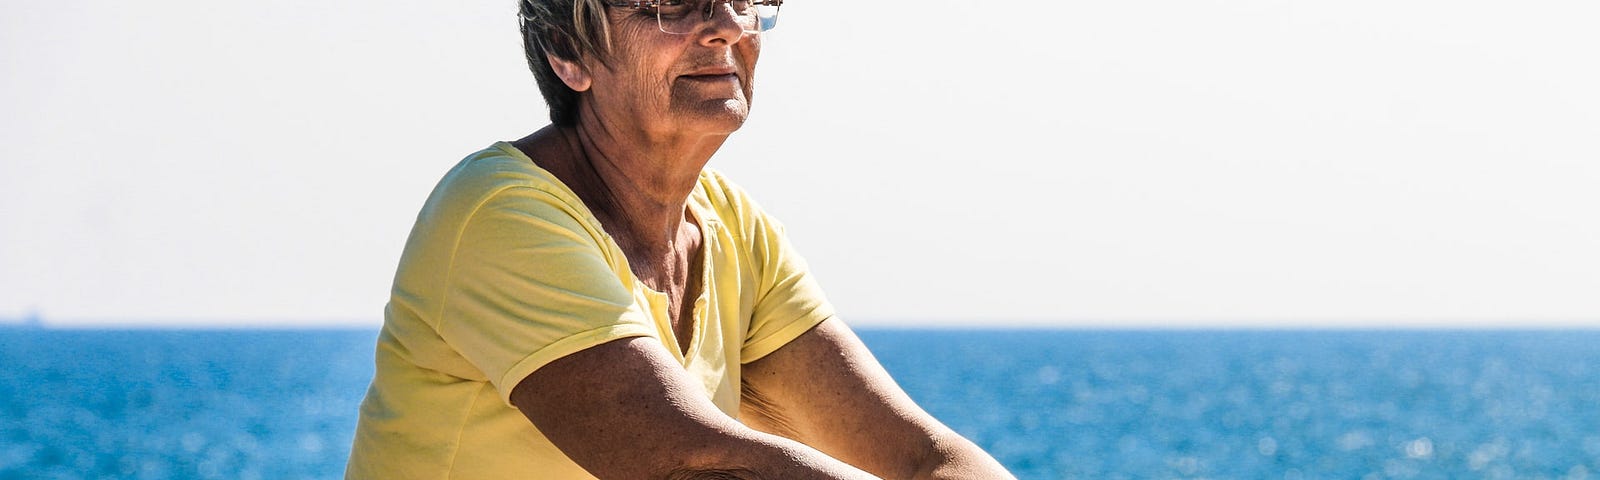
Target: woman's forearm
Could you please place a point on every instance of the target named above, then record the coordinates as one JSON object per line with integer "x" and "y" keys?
{"x": 954, "y": 457}
{"x": 754, "y": 455}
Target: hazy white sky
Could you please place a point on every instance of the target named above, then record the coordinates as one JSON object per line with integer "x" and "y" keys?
{"x": 1134, "y": 163}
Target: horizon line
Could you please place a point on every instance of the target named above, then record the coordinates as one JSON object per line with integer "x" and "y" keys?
{"x": 882, "y": 323}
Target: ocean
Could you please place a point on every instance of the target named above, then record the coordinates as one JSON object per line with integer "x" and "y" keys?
{"x": 1049, "y": 404}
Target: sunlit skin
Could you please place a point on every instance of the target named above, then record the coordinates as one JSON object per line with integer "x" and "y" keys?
{"x": 820, "y": 407}
{"x": 649, "y": 120}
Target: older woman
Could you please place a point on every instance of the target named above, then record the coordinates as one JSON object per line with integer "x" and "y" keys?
{"x": 590, "y": 301}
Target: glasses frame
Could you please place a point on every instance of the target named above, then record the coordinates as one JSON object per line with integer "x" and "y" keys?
{"x": 711, "y": 7}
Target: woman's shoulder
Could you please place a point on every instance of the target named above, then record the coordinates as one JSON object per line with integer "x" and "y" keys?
{"x": 492, "y": 171}
{"x": 723, "y": 196}
{"x": 497, "y": 175}
{"x": 732, "y": 204}
{"x": 498, "y": 167}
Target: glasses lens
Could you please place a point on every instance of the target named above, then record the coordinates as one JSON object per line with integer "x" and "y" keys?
{"x": 766, "y": 16}
{"x": 689, "y": 16}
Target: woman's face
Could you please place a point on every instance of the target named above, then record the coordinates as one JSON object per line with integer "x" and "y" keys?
{"x": 676, "y": 84}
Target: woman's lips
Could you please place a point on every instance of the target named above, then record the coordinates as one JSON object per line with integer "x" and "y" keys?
{"x": 712, "y": 77}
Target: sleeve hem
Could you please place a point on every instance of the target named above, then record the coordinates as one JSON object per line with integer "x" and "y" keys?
{"x": 563, "y": 347}
{"x": 764, "y": 346}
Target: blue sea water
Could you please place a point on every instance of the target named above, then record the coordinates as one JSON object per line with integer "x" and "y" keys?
{"x": 235, "y": 404}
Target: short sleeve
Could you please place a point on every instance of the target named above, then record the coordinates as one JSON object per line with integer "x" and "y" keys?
{"x": 529, "y": 283}
{"x": 788, "y": 300}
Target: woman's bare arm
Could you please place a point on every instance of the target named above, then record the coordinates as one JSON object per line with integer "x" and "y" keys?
{"x": 826, "y": 390}
{"x": 626, "y": 410}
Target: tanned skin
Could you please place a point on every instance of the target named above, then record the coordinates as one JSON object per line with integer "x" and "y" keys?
{"x": 819, "y": 407}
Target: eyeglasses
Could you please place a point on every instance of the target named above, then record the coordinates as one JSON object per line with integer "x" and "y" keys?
{"x": 679, "y": 17}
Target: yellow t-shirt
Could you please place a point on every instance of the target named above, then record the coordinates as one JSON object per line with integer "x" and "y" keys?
{"x": 506, "y": 271}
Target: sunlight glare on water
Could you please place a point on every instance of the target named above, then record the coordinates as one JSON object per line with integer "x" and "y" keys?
{"x": 1048, "y": 404}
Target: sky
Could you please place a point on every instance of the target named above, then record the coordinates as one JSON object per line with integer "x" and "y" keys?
{"x": 1146, "y": 163}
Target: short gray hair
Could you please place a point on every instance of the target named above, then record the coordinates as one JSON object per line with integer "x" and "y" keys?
{"x": 568, "y": 30}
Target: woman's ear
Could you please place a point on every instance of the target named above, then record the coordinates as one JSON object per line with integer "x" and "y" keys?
{"x": 572, "y": 73}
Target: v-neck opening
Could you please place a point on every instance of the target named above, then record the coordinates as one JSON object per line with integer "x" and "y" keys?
{"x": 697, "y": 313}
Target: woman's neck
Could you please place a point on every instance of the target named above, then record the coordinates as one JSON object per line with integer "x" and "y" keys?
{"x": 637, "y": 189}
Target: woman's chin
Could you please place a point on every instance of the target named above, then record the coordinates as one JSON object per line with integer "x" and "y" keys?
{"x": 720, "y": 115}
